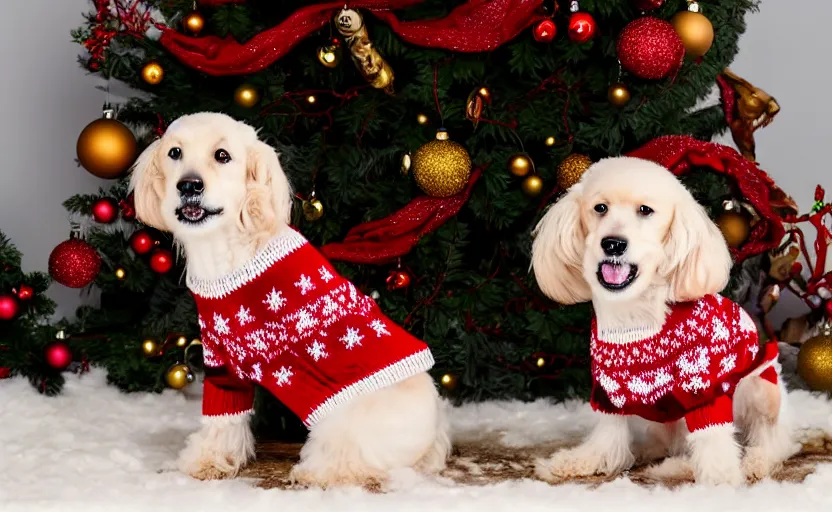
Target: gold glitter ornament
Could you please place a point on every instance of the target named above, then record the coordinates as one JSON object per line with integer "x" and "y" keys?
{"x": 814, "y": 362}
{"x": 571, "y": 169}
{"x": 441, "y": 167}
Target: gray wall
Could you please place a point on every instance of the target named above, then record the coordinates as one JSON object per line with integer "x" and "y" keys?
{"x": 48, "y": 99}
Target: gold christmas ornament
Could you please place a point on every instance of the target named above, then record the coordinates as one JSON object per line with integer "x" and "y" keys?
{"x": 422, "y": 119}
{"x": 246, "y": 96}
{"x": 441, "y": 167}
{"x": 153, "y": 73}
{"x": 550, "y": 141}
{"x": 179, "y": 376}
{"x": 193, "y": 22}
{"x": 448, "y": 381}
{"x": 406, "y": 163}
{"x": 329, "y": 55}
{"x": 571, "y": 169}
{"x": 532, "y": 185}
{"x": 618, "y": 94}
{"x": 150, "y": 348}
{"x": 313, "y": 209}
{"x": 106, "y": 148}
{"x": 695, "y": 30}
{"x": 372, "y": 65}
{"x": 120, "y": 273}
{"x": 814, "y": 362}
{"x": 520, "y": 165}
{"x": 735, "y": 227}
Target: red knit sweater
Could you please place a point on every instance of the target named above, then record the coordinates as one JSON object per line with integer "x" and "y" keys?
{"x": 287, "y": 321}
{"x": 688, "y": 370}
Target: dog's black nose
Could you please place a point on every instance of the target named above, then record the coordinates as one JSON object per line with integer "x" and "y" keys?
{"x": 190, "y": 186}
{"x": 614, "y": 246}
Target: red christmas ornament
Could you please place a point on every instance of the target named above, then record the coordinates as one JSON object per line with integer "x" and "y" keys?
{"x": 58, "y": 355}
{"x": 128, "y": 209}
{"x": 141, "y": 242}
{"x": 104, "y": 210}
{"x": 25, "y": 292}
{"x": 161, "y": 261}
{"x": 397, "y": 280}
{"x": 829, "y": 310}
{"x": 647, "y": 5}
{"x": 544, "y": 32}
{"x": 650, "y": 48}
{"x": 582, "y": 27}
{"x": 8, "y": 307}
{"x": 74, "y": 263}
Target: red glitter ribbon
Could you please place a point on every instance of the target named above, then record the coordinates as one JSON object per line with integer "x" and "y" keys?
{"x": 382, "y": 241}
{"x": 476, "y": 26}
{"x": 681, "y": 153}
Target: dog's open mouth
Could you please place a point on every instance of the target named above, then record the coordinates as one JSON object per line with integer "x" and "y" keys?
{"x": 194, "y": 213}
{"x": 616, "y": 275}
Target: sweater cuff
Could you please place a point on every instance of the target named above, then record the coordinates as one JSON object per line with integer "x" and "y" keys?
{"x": 718, "y": 412}
{"x": 218, "y": 400}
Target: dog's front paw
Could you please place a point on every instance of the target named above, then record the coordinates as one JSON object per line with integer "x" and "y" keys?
{"x": 758, "y": 463}
{"x": 580, "y": 462}
{"x": 306, "y": 475}
{"x": 207, "y": 465}
{"x": 719, "y": 474}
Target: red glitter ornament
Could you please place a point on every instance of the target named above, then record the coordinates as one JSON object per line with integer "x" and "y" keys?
{"x": 105, "y": 210}
{"x": 8, "y": 307}
{"x": 582, "y": 27}
{"x": 647, "y": 5}
{"x": 128, "y": 209}
{"x": 25, "y": 292}
{"x": 58, "y": 355}
{"x": 650, "y": 48}
{"x": 161, "y": 261}
{"x": 544, "y": 32}
{"x": 74, "y": 263}
{"x": 141, "y": 242}
{"x": 398, "y": 279}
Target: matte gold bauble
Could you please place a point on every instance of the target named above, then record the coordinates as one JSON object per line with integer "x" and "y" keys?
{"x": 814, "y": 362}
{"x": 313, "y": 209}
{"x": 520, "y": 165}
{"x": 179, "y": 376}
{"x": 441, "y": 167}
{"x": 246, "y": 96}
{"x": 696, "y": 32}
{"x": 571, "y": 169}
{"x": 532, "y": 186}
{"x": 153, "y": 73}
{"x": 618, "y": 94}
{"x": 735, "y": 228}
{"x": 193, "y": 22}
{"x": 106, "y": 148}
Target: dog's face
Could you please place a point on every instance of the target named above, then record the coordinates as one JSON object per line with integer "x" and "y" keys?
{"x": 627, "y": 227}
{"x": 210, "y": 174}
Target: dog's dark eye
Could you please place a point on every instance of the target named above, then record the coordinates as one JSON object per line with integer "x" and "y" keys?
{"x": 645, "y": 211}
{"x": 175, "y": 153}
{"x": 601, "y": 208}
{"x": 222, "y": 156}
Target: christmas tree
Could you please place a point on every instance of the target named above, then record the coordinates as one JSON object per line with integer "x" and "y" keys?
{"x": 424, "y": 139}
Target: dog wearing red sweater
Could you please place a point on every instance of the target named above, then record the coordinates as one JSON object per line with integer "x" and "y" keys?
{"x": 665, "y": 347}
{"x": 273, "y": 312}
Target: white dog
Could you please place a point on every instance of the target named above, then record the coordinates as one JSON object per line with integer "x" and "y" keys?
{"x": 275, "y": 313}
{"x": 665, "y": 347}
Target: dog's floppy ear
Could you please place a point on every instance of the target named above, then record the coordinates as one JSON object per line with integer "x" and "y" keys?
{"x": 148, "y": 185}
{"x": 698, "y": 260}
{"x": 268, "y": 193}
{"x": 558, "y": 251}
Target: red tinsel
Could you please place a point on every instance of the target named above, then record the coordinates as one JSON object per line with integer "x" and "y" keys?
{"x": 382, "y": 241}
{"x": 681, "y": 153}
{"x": 476, "y": 26}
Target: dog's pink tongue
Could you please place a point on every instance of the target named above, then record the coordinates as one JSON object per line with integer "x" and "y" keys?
{"x": 615, "y": 274}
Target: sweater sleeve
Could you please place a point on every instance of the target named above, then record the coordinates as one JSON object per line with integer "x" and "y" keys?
{"x": 718, "y": 412}
{"x": 223, "y": 393}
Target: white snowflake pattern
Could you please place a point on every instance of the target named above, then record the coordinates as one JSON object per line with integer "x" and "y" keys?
{"x": 306, "y": 321}
{"x": 283, "y": 376}
{"x": 317, "y": 350}
{"x": 649, "y": 385}
{"x": 304, "y": 284}
{"x": 326, "y": 275}
{"x": 351, "y": 338}
{"x": 244, "y": 316}
{"x": 721, "y": 332}
{"x": 608, "y": 383}
{"x": 746, "y": 323}
{"x": 694, "y": 362}
{"x": 275, "y": 300}
{"x": 696, "y": 383}
{"x": 221, "y": 324}
{"x": 727, "y": 363}
{"x": 256, "y": 339}
{"x": 201, "y": 322}
{"x": 378, "y": 326}
{"x": 256, "y": 372}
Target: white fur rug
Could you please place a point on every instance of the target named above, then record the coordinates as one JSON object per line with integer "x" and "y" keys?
{"x": 94, "y": 448}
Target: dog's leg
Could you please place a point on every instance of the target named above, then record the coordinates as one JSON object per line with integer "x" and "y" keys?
{"x": 220, "y": 449}
{"x": 606, "y": 451}
{"x": 760, "y": 412}
{"x": 714, "y": 452}
{"x": 393, "y": 428}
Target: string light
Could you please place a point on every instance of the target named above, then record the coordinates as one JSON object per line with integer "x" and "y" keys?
{"x": 120, "y": 273}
